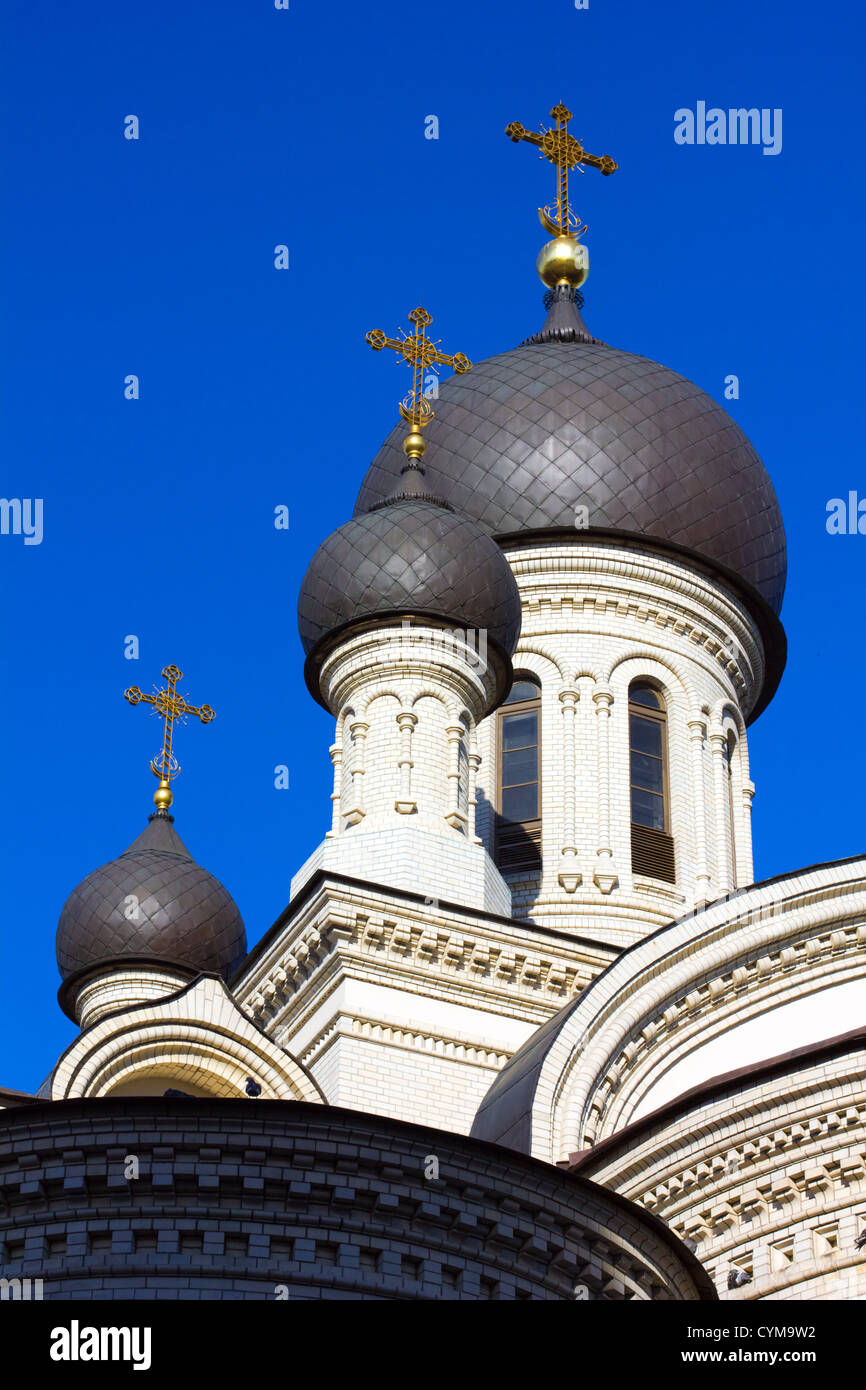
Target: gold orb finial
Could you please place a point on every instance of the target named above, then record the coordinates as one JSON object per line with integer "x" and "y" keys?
{"x": 414, "y": 446}
{"x": 563, "y": 261}
{"x": 163, "y": 796}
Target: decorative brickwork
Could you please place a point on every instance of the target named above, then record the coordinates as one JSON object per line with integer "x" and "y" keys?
{"x": 595, "y": 618}
{"x": 269, "y": 1199}
{"x": 405, "y": 1005}
{"x": 770, "y": 945}
{"x": 763, "y": 1170}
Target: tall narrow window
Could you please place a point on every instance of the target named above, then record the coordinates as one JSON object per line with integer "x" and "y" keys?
{"x": 518, "y": 820}
{"x": 652, "y": 848}
{"x": 730, "y": 745}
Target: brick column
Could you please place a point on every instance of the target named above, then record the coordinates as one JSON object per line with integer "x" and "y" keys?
{"x": 697, "y": 733}
{"x": 474, "y": 767}
{"x": 355, "y": 813}
{"x": 454, "y": 815}
{"x": 744, "y": 850}
{"x": 405, "y": 803}
{"x": 569, "y": 875}
{"x": 336, "y": 754}
{"x": 722, "y": 811}
{"x": 605, "y": 876}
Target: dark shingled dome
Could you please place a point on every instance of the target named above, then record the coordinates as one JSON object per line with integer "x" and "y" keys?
{"x": 564, "y": 420}
{"x": 410, "y": 556}
{"x": 185, "y": 916}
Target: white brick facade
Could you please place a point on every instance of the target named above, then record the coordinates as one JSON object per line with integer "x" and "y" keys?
{"x": 596, "y": 618}
{"x": 407, "y": 971}
{"x": 766, "y": 1176}
{"x": 407, "y": 1007}
{"x": 414, "y": 795}
{"x": 739, "y": 958}
{"x": 407, "y": 699}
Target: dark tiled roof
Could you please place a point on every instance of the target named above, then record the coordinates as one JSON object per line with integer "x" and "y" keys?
{"x": 410, "y": 556}
{"x": 527, "y": 436}
{"x": 8, "y": 1097}
{"x": 184, "y": 915}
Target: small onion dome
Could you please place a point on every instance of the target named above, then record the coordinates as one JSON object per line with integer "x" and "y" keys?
{"x": 409, "y": 557}
{"x": 154, "y": 905}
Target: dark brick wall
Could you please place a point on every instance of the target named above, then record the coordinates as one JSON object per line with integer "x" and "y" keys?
{"x": 235, "y": 1198}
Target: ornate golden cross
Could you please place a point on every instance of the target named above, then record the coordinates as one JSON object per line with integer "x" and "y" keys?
{"x": 423, "y": 355}
{"x": 173, "y": 708}
{"x": 566, "y": 153}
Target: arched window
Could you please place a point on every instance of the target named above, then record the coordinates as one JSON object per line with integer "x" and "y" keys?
{"x": 652, "y": 848}
{"x": 518, "y": 779}
{"x": 730, "y": 745}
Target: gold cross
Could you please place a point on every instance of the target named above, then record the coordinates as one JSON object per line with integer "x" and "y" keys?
{"x": 422, "y": 355}
{"x": 173, "y": 708}
{"x": 566, "y": 153}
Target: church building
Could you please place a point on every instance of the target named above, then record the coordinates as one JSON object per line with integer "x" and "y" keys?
{"x": 504, "y": 1041}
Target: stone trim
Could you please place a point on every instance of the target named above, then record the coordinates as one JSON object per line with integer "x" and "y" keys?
{"x": 754, "y": 1167}
{"x": 236, "y": 1197}
{"x": 733, "y": 960}
{"x": 409, "y": 1039}
{"x": 201, "y": 1028}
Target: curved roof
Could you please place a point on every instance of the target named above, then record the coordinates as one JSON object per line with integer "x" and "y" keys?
{"x": 505, "y": 1115}
{"x": 182, "y": 914}
{"x": 741, "y": 1079}
{"x": 565, "y": 421}
{"x": 409, "y": 556}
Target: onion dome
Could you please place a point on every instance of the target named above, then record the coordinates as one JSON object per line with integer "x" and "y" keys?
{"x": 153, "y": 905}
{"x": 564, "y": 421}
{"x": 409, "y": 556}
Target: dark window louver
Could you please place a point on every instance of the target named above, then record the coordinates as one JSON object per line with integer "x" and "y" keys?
{"x": 652, "y": 854}
{"x": 518, "y": 848}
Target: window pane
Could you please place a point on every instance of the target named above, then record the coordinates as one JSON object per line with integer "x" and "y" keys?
{"x": 647, "y": 809}
{"x": 523, "y": 690}
{"x": 644, "y": 695}
{"x": 647, "y": 772}
{"x": 646, "y": 735}
{"x": 520, "y": 766}
{"x": 520, "y": 803}
{"x": 519, "y": 730}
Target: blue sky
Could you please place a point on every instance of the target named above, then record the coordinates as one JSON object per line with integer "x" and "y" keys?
{"x": 156, "y": 257}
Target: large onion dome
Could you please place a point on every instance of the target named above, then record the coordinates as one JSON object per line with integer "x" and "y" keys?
{"x": 564, "y": 421}
{"x": 154, "y": 904}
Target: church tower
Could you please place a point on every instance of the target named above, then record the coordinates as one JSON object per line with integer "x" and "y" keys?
{"x": 503, "y": 991}
{"x": 648, "y": 547}
{"x": 503, "y": 827}
{"x": 409, "y": 614}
